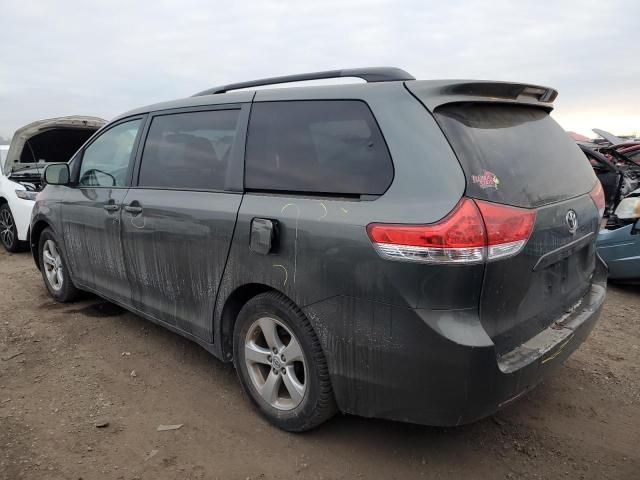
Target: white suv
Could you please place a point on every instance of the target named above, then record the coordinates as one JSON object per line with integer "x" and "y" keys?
{"x": 21, "y": 167}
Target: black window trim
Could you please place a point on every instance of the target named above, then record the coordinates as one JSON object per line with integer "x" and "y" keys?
{"x": 235, "y": 172}
{"x": 328, "y": 195}
{"x": 80, "y": 155}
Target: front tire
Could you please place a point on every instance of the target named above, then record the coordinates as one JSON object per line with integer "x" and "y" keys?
{"x": 281, "y": 364}
{"x": 8, "y": 231}
{"x": 54, "y": 269}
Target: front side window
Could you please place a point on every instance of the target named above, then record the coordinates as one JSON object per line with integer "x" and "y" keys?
{"x": 106, "y": 161}
{"x": 332, "y": 147}
{"x": 188, "y": 150}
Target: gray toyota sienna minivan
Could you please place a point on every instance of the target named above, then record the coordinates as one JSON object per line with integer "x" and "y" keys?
{"x": 422, "y": 251}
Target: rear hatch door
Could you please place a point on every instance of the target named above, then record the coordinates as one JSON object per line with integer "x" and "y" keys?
{"x": 516, "y": 154}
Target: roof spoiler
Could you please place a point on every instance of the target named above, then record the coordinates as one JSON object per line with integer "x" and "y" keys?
{"x": 369, "y": 75}
{"x": 439, "y": 92}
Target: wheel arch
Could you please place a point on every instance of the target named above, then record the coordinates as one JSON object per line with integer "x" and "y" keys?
{"x": 34, "y": 238}
{"x": 232, "y": 306}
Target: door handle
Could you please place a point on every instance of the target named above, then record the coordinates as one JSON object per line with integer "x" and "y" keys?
{"x": 110, "y": 207}
{"x": 133, "y": 209}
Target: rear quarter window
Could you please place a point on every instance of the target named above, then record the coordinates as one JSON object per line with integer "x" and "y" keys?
{"x": 515, "y": 154}
{"x": 331, "y": 147}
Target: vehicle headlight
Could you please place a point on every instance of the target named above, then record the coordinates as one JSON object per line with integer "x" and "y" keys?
{"x": 628, "y": 208}
{"x": 26, "y": 194}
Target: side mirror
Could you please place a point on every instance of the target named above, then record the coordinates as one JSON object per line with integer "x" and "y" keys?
{"x": 635, "y": 230}
{"x": 57, "y": 174}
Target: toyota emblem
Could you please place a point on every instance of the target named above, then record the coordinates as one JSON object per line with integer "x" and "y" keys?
{"x": 572, "y": 221}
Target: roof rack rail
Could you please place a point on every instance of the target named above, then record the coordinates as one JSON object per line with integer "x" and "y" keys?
{"x": 373, "y": 74}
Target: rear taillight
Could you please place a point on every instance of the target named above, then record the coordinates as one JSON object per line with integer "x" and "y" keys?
{"x": 597, "y": 195}
{"x": 474, "y": 231}
{"x": 457, "y": 238}
{"x": 508, "y": 228}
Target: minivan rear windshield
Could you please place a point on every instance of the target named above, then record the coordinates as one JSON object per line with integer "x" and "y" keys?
{"x": 515, "y": 154}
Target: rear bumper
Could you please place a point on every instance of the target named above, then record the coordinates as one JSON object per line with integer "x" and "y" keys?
{"x": 437, "y": 367}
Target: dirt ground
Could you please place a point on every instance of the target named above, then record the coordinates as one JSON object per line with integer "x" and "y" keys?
{"x": 66, "y": 368}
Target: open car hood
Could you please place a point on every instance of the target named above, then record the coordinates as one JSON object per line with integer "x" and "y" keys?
{"x": 22, "y": 136}
{"x": 609, "y": 137}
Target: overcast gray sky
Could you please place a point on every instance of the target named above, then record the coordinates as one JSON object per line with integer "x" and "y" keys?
{"x": 105, "y": 57}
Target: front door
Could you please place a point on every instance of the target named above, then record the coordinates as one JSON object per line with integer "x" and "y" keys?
{"x": 92, "y": 210}
{"x": 178, "y": 221}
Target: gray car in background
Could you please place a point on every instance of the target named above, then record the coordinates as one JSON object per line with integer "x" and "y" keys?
{"x": 401, "y": 249}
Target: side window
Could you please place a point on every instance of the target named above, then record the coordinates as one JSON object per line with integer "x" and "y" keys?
{"x": 105, "y": 162}
{"x": 316, "y": 146}
{"x": 188, "y": 150}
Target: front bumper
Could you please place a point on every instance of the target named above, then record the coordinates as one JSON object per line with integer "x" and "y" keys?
{"x": 437, "y": 367}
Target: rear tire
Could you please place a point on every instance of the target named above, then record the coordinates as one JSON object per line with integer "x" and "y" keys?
{"x": 54, "y": 269}
{"x": 9, "y": 232}
{"x": 292, "y": 393}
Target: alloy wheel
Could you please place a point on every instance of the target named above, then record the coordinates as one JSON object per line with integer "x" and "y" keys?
{"x": 6, "y": 228}
{"x": 52, "y": 265}
{"x": 276, "y": 363}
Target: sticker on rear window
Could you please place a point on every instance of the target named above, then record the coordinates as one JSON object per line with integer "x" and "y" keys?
{"x": 486, "y": 180}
